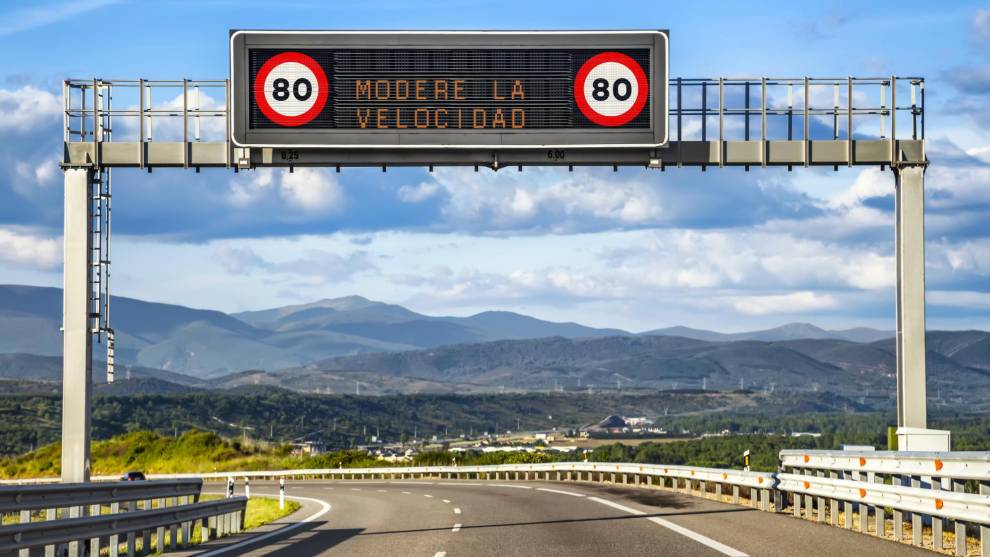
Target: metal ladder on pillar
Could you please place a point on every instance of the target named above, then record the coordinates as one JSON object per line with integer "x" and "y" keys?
{"x": 100, "y": 196}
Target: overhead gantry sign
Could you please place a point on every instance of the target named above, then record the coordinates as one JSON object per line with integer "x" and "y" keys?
{"x": 492, "y": 99}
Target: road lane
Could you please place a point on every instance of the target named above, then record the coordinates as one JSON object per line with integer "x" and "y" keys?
{"x": 548, "y": 518}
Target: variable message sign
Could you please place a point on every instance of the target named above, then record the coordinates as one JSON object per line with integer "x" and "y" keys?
{"x": 434, "y": 89}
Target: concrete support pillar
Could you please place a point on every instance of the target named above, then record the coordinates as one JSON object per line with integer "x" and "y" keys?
{"x": 910, "y": 261}
{"x": 77, "y": 340}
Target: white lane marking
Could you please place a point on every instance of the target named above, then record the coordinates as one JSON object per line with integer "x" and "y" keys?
{"x": 456, "y": 528}
{"x": 457, "y": 510}
{"x": 411, "y": 483}
{"x": 509, "y": 485}
{"x": 382, "y": 491}
{"x": 328, "y": 488}
{"x": 428, "y": 496}
{"x": 704, "y": 540}
{"x": 458, "y": 483}
{"x": 446, "y": 501}
{"x": 355, "y": 489}
{"x": 571, "y": 493}
{"x": 440, "y": 554}
{"x": 280, "y": 532}
{"x": 406, "y": 493}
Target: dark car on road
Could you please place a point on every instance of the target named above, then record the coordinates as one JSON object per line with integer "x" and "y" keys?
{"x": 133, "y": 477}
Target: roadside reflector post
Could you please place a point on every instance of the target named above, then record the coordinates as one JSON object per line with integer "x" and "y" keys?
{"x": 247, "y": 487}
{"x": 281, "y": 494}
{"x": 230, "y": 486}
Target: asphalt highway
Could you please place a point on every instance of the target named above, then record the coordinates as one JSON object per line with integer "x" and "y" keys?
{"x": 477, "y": 518}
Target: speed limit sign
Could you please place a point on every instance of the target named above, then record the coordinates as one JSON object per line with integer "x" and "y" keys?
{"x": 291, "y": 89}
{"x": 611, "y": 89}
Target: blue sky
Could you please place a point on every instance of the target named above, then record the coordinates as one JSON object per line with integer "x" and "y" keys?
{"x": 636, "y": 249}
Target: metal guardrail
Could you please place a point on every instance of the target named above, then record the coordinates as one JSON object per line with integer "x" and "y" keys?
{"x": 958, "y": 465}
{"x": 54, "y": 496}
{"x": 76, "y": 519}
{"x": 41, "y": 534}
{"x": 922, "y": 488}
{"x": 926, "y": 489}
{"x": 815, "y": 490}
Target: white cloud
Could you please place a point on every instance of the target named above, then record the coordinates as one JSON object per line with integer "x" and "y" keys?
{"x": 312, "y": 189}
{"x": 30, "y": 251}
{"x": 959, "y": 298}
{"x": 419, "y": 193}
{"x": 27, "y": 108}
{"x": 511, "y": 199}
{"x": 42, "y": 173}
{"x": 309, "y": 189}
{"x": 795, "y": 302}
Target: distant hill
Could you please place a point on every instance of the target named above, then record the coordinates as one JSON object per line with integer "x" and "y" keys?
{"x": 790, "y": 331}
{"x": 956, "y": 365}
{"x": 207, "y": 343}
{"x": 343, "y": 345}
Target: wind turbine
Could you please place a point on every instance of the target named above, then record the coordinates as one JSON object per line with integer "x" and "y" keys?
{"x": 618, "y": 380}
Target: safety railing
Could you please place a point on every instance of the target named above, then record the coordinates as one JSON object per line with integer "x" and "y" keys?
{"x": 900, "y": 490}
{"x": 77, "y": 519}
{"x": 903, "y": 492}
{"x": 755, "y": 121}
{"x": 829, "y": 486}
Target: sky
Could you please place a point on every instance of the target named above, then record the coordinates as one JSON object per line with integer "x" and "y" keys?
{"x": 636, "y": 249}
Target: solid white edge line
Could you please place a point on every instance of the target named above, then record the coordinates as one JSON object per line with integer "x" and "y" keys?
{"x": 281, "y": 531}
{"x": 446, "y": 500}
{"x": 512, "y": 486}
{"x": 440, "y": 554}
{"x": 457, "y": 510}
{"x": 456, "y": 528}
{"x": 702, "y": 539}
{"x": 571, "y": 493}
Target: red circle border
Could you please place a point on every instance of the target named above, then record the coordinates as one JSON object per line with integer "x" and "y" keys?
{"x": 643, "y": 86}
{"x": 321, "y": 96}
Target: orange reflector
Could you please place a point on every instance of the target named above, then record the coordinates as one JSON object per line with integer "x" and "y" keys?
{"x": 760, "y": 480}
{"x": 807, "y": 485}
{"x": 862, "y": 461}
{"x": 939, "y": 504}
{"x": 692, "y": 472}
{"x": 938, "y": 465}
{"x": 862, "y": 492}
{"x": 725, "y": 476}
{"x": 664, "y": 470}
{"x": 807, "y": 458}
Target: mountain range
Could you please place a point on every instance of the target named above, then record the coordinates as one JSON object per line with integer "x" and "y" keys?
{"x": 355, "y": 345}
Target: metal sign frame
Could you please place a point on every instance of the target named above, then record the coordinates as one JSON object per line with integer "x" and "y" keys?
{"x": 657, "y": 135}
{"x": 90, "y": 151}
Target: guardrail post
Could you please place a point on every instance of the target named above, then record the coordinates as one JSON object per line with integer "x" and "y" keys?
{"x": 797, "y": 505}
{"x": 881, "y": 516}
{"x": 916, "y": 519}
{"x": 833, "y": 504}
{"x": 821, "y": 502}
{"x": 938, "y": 536}
{"x": 960, "y": 526}
{"x": 160, "y": 534}
{"x": 94, "y": 543}
{"x": 173, "y": 534}
{"x": 984, "y": 529}
{"x": 114, "y": 542}
{"x": 735, "y": 494}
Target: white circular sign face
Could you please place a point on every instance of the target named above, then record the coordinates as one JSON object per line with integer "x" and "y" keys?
{"x": 611, "y": 89}
{"x": 291, "y": 89}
